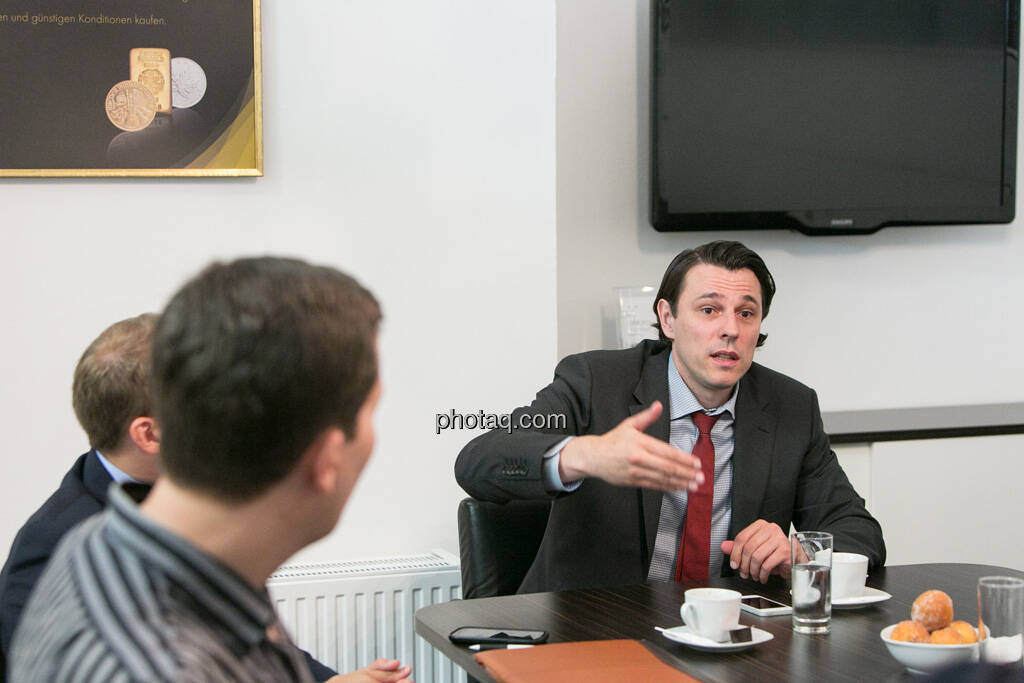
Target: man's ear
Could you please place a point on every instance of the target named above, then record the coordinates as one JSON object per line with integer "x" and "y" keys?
{"x": 145, "y": 434}
{"x": 323, "y": 458}
{"x": 666, "y": 319}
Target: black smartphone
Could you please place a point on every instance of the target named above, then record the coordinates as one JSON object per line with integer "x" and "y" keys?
{"x": 469, "y": 635}
{"x": 763, "y": 607}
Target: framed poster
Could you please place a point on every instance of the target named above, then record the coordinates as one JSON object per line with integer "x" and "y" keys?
{"x": 131, "y": 88}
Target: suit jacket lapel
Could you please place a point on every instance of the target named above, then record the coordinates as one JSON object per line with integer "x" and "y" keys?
{"x": 653, "y": 386}
{"x": 752, "y": 453}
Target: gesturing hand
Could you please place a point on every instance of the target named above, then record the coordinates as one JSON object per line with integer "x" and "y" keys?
{"x": 625, "y": 456}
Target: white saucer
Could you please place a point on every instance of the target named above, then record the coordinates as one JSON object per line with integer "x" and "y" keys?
{"x": 870, "y": 597}
{"x": 682, "y": 634}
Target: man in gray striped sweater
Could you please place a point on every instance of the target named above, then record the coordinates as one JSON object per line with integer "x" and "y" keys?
{"x": 265, "y": 384}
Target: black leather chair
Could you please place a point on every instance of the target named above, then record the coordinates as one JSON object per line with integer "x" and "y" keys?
{"x": 497, "y": 544}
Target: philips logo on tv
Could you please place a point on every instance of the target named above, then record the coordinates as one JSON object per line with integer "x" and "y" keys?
{"x": 841, "y": 222}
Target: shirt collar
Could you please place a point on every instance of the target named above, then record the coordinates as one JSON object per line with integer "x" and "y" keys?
{"x": 115, "y": 472}
{"x": 682, "y": 402}
{"x": 245, "y": 612}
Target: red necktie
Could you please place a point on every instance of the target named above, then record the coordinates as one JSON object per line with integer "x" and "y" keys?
{"x": 695, "y": 545}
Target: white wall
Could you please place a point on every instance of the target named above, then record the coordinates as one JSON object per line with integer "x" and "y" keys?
{"x": 905, "y": 317}
{"x": 410, "y": 143}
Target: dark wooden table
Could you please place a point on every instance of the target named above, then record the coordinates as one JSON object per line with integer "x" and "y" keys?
{"x": 853, "y": 651}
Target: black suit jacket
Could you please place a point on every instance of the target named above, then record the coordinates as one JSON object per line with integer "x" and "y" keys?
{"x": 82, "y": 493}
{"x": 602, "y": 535}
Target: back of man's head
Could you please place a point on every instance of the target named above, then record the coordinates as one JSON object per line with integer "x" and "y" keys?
{"x": 111, "y": 385}
{"x": 252, "y": 360}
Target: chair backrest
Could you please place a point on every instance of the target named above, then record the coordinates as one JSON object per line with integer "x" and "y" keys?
{"x": 497, "y": 544}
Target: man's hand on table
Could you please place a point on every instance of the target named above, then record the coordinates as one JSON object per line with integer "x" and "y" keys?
{"x": 625, "y": 456}
{"x": 760, "y": 550}
{"x": 380, "y": 671}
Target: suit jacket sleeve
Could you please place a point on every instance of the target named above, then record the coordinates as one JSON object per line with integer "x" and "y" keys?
{"x": 321, "y": 672}
{"x": 507, "y": 464}
{"x": 30, "y": 552}
{"x": 826, "y": 501}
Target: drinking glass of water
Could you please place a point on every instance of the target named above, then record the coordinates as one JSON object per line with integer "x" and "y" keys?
{"x": 811, "y": 554}
{"x": 1001, "y": 619}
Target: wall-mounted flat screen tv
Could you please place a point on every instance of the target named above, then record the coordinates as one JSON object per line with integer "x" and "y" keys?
{"x": 833, "y": 116}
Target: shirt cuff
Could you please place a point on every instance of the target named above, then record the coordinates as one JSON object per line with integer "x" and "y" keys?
{"x": 553, "y": 482}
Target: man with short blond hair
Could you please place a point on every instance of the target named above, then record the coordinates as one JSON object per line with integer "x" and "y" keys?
{"x": 111, "y": 386}
{"x": 111, "y": 398}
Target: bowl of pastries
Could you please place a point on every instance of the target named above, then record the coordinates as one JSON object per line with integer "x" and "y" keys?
{"x": 931, "y": 639}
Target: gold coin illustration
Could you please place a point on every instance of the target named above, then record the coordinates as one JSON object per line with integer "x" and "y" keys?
{"x": 130, "y": 106}
{"x": 152, "y": 79}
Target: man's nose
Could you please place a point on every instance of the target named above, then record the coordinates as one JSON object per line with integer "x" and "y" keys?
{"x": 730, "y": 327}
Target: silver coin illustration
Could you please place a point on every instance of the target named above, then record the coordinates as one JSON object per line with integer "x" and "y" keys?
{"x": 188, "y": 82}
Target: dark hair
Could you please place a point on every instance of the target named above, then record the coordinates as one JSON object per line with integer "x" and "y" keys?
{"x": 111, "y": 383}
{"x": 252, "y": 360}
{"x": 725, "y": 254}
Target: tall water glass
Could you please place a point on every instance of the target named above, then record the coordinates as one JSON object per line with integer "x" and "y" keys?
{"x": 811, "y": 555}
{"x": 1001, "y": 618}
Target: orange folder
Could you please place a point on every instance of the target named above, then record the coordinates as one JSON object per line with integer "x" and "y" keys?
{"x": 596, "y": 661}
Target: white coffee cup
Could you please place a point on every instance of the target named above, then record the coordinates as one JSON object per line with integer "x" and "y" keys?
{"x": 849, "y": 571}
{"x": 711, "y": 612}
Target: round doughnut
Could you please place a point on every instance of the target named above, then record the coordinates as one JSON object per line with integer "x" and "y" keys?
{"x": 910, "y": 632}
{"x": 965, "y": 630}
{"x": 933, "y": 610}
{"x": 946, "y": 636}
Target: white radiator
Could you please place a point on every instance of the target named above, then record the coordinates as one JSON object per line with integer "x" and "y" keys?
{"x": 347, "y": 614}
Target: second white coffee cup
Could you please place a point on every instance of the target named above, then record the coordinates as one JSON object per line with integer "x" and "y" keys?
{"x": 849, "y": 571}
{"x": 711, "y": 612}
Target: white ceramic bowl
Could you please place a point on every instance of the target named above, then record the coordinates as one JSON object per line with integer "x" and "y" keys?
{"x": 925, "y": 657}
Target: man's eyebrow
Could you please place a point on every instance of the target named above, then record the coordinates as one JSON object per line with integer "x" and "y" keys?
{"x": 717, "y": 296}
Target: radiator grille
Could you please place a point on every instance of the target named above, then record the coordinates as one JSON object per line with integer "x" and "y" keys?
{"x": 432, "y": 561}
{"x": 346, "y": 614}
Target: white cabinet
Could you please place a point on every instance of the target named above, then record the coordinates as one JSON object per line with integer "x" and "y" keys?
{"x": 944, "y": 500}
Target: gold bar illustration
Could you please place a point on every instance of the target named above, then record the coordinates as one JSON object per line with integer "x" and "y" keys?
{"x": 151, "y": 66}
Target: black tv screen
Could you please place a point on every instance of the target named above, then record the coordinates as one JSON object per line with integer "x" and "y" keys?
{"x": 833, "y": 116}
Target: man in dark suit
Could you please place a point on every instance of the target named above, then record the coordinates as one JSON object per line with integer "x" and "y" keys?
{"x": 678, "y": 458}
{"x": 111, "y": 398}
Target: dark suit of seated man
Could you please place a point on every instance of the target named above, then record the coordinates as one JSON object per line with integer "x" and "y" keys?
{"x": 82, "y": 493}
{"x": 111, "y": 399}
{"x": 110, "y": 395}
{"x": 679, "y": 458}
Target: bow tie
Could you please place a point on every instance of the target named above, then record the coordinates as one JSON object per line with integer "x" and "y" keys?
{"x": 136, "y": 491}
